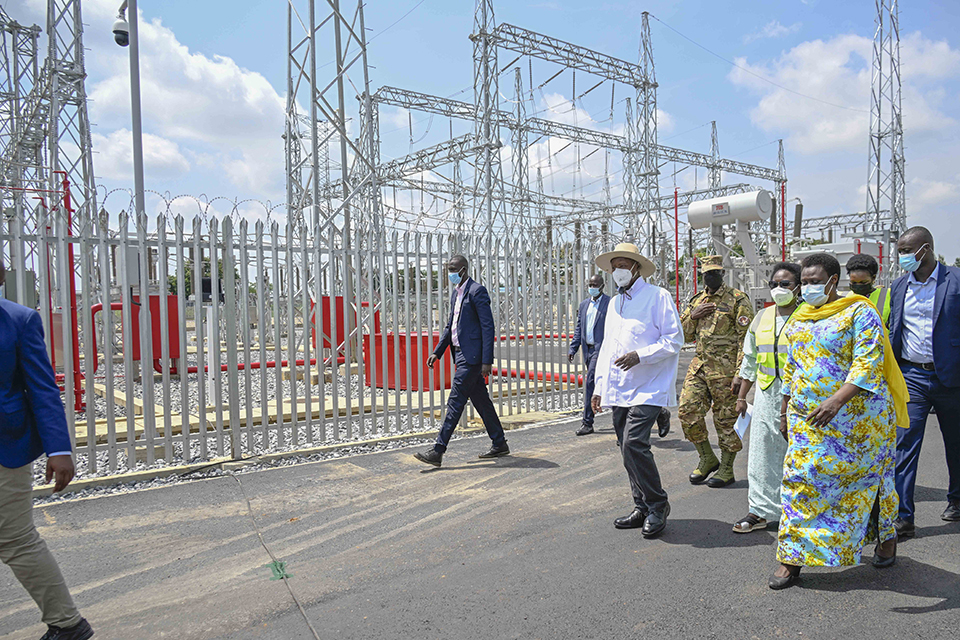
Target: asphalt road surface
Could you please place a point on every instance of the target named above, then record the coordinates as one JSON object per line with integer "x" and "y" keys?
{"x": 380, "y": 546}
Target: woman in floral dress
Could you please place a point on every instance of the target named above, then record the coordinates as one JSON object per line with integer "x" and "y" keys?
{"x": 842, "y": 392}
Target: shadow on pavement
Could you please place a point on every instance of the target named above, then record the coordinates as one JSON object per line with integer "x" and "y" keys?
{"x": 946, "y": 529}
{"x": 908, "y": 577}
{"x": 929, "y": 494}
{"x": 512, "y": 462}
{"x": 714, "y": 534}
{"x": 675, "y": 444}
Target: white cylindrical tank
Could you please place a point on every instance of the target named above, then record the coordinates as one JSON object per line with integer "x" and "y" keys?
{"x": 748, "y": 207}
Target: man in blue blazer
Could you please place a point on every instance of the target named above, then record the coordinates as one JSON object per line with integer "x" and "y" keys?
{"x": 925, "y": 335}
{"x": 470, "y": 334}
{"x": 588, "y": 334}
{"x": 32, "y": 422}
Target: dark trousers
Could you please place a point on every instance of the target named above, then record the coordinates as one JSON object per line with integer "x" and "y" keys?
{"x": 590, "y": 354}
{"x": 468, "y": 385}
{"x": 633, "y": 426}
{"x": 926, "y": 390}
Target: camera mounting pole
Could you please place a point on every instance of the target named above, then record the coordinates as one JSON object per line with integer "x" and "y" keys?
{"x": 134, "y": 42}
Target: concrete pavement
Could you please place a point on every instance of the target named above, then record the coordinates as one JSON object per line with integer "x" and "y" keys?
{"x": 380, "y": 546}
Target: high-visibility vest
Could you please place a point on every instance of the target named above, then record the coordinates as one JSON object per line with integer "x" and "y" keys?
{"x": 770, "y": 357}
{"x": 881, "y": 300}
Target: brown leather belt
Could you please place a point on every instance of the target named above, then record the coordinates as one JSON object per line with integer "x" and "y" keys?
{"x": 926, "y": 366}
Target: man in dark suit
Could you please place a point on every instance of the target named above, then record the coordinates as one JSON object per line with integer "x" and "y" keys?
{"x": 470, "y": 334}
{"x": 32, "y": 422}
{"x": 925, "y": 335}
{"x": 589, "y": 334}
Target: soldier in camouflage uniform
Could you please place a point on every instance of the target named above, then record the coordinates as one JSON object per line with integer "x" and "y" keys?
{"x": 717, "y": 319}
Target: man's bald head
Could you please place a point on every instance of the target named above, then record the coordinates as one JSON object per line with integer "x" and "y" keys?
{"x": 596, "y": 280}
{"x": 918, "y": 236}
{"x": 457, "y": 264}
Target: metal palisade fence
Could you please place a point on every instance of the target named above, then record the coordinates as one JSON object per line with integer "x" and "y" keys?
{"x": 181, "y": 341}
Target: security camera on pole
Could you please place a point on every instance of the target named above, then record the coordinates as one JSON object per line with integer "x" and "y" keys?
{"x": 127, "y": 34}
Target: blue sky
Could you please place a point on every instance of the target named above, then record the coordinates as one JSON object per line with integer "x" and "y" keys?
{"x": 214, "y": 89}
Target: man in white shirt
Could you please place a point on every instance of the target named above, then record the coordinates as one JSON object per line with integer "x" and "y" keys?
{"x": 636, "y": 376}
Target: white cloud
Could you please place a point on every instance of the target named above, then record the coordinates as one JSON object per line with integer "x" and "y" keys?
{"x": 927, "y": 193}
{"x": 393, "y": 118}
{"x": 772, "y": 29}
{"x": 838, "y": 71}
{"x": 162, "y": 158}
{"x": 225, "y": 121}
{"x": 665, "y": 122}
{"x": 233, "y": 114}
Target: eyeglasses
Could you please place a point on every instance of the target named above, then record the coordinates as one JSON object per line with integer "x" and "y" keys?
{"x": 785, "y": 284}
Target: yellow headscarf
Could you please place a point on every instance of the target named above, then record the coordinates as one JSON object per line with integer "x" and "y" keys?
{"x": 891, "y": 370}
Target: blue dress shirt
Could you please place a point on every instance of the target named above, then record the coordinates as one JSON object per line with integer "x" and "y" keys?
{"x": 592, "y": 310}
{"x": 918, "y": 318}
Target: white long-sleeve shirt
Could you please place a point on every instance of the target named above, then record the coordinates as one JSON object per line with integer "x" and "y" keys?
{"x": 646, "y": 322}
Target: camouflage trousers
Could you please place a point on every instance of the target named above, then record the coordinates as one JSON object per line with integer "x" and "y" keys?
{"x": 699, "y": 395}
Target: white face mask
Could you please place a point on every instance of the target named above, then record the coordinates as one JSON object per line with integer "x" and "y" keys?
{"x": 622, "y": 277}
{"x": 782, "y": 297}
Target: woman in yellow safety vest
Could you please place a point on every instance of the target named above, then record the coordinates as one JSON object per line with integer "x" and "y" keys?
{"x": 862, "y": 271}
{"x": 763, "y": 358}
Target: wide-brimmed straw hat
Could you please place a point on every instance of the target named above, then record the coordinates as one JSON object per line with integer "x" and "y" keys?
{"x": 630, "y": 251}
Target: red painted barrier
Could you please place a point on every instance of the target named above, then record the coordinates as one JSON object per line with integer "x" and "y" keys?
{"x": 420, "y": 346}
{"x": 172, "y": 330}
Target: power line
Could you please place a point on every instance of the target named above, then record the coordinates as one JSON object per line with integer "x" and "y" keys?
{"x": 757, "y": 75}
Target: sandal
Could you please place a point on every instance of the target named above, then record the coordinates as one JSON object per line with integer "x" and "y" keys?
{"x": 778, "y": 583}
{"x": 881, "y": 561}
{"x": 749, "y": 523}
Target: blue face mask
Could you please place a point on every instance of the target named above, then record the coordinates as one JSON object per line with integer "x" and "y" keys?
{"x": 815, "y": 294}
{"x": 454, "y": 278}
{"x": 910, "y": 262}
{"x": 594, "y": 292}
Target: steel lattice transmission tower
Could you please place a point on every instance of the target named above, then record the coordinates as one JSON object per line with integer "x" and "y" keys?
{"x": 647, "y": 170}
{"x": 23, "y": 125}
{"x": 319, "y": 114}
{"x": 46, "y": 127}
{"x": 886, "y": 199}
{"x": 489, "y": 208}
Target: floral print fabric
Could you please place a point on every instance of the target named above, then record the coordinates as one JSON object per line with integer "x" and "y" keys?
{"x": 833, "y": 475}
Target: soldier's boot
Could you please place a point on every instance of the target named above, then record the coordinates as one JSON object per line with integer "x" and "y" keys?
{"x": 724, "y": 476}
{"x": 707, "y": 465}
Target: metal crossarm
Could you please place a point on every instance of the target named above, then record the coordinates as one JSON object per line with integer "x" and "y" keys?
{"x": 535, "y": 44}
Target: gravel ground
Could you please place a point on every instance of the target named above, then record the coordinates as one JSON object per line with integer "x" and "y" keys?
{"x": 255, "y": 441}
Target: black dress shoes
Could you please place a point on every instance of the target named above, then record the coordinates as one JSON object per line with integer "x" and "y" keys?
{"x": 80, "y": 631}
{"x": 633, "y": 521}
{"x": 663, "y": 422}
{"x": 904, "y": 529}
{"x": 585, "y": 430}
{"x": 430, "y": 456}
{"x": 656, "y": 522}
{"x": 952, "y": 512}
{"x": 495, "y": 452}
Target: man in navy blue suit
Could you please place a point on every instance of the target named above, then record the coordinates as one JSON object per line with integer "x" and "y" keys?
{"x": 32, "y": 422}
{"x": 925, "y": 335}
{"x": 589, "y": 335}
{"x": 470, "y": 334}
